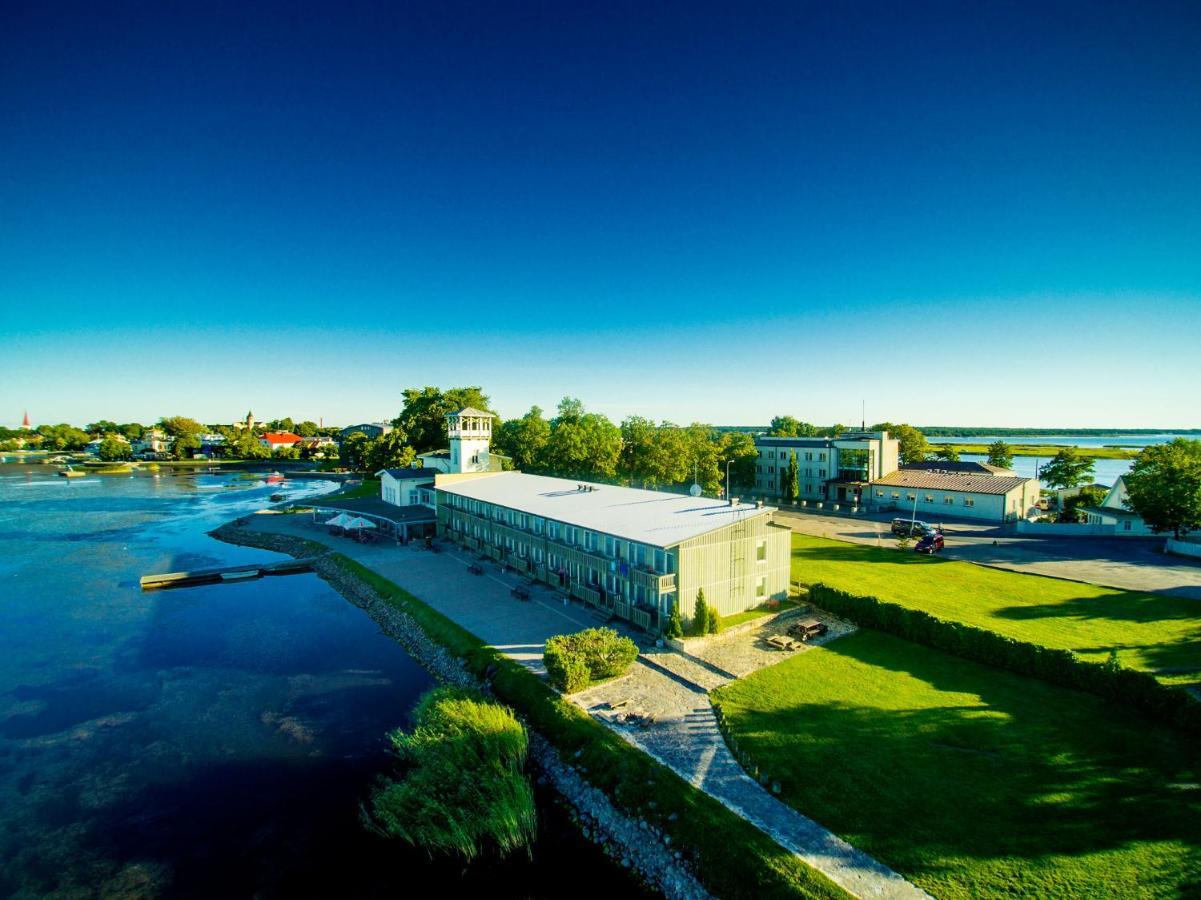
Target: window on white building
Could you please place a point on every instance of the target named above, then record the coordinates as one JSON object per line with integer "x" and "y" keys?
{"x": 761, "y": 550}
{"x": 968, "y": 501}
{"x": 761, "y": 586}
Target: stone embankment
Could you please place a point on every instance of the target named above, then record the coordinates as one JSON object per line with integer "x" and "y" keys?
{"x": 634, "y": 844}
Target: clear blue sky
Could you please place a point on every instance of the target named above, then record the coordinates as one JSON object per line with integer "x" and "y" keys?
{"x": 962, "y": 213}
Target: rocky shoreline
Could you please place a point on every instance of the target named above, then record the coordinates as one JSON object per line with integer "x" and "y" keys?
{"x": 634, "y": 844}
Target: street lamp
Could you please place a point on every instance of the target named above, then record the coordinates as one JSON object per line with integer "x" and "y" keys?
{"x": 728, "y": 461}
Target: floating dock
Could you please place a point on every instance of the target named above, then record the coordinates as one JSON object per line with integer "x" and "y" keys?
{"x": 228, "y": 573}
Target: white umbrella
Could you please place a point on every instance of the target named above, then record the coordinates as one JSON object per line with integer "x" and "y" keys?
{"x": 359, "y": 522}
{"x": 340, "y": 520}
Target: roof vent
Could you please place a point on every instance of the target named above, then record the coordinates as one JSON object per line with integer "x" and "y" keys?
{"x": 733, "y": 501}
{"x": 759, "y": 504}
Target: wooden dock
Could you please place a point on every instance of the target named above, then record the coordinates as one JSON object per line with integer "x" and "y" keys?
{"x": 227, "y": 573}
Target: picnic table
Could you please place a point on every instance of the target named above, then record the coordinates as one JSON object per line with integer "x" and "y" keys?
{"x": 521, "y": 592}
{"x": 779, "y": 642}
{"x": 475, "y": 569}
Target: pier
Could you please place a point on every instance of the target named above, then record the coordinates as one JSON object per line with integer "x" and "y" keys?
{"x": 226, "y": 573}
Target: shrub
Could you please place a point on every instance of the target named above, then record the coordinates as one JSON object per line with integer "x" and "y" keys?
{"x": 713, "y": 621}
{"x": 463, "y": 788}
{"x": 700, "y": 615}
{"x": 674, "y": 627}
{"x": 1063, "y": 667}
{"x": 573, "y": 661}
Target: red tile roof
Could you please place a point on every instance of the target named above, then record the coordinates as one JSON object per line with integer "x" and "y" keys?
{"x": 281, "y": 437}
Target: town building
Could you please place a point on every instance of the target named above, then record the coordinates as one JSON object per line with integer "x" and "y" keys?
{"x": 630, "y": 552}
{"x": 276, "y": 441}
{"x": 370, "y": 429}
{"x": 152, "y": 444}
{"x": 937, "y": 494}
{"x": 836, "y": 469}
{"x": 1114, "y": 512}
{"x": 407, "y": 487}
{"x": 247, "y": 425}
{"x": 966, "y": 467}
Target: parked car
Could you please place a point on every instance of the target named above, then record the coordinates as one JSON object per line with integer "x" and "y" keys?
{"x": 909, "y": 527}
{"x": 930, "y": 542}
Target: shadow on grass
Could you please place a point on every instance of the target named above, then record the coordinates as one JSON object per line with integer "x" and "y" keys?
{"x": 966, "y": 774}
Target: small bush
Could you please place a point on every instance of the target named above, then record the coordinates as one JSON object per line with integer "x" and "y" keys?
{"x": 675, "y": 626}
{"x": 700, "y": 615}
{"x": 463, "y": 789}
{"x": 713, "y": 623}
{"x": 573, "y": 661}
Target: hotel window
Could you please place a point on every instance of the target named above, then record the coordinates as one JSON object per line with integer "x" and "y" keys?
{"x": 821, "y": 457}
{"x": 761, "y": 586}
{"x": 929, "y": 498}
{"x": 911, "y": 497}
{"x": 660, "y": 561}
{"x": 948, "y": 500}
{"x": 821, "y": 473}
{"x": 968, "y": 501}
{"x": 761, "y": 550}
{"x": 552, "y": 530}
{"x": 771, "y": 469}
{"x": 771, "y": 454}
{"x": 896, "y": 495}
{"x": 879, "y": 493}
{"x": 809, "y": 456}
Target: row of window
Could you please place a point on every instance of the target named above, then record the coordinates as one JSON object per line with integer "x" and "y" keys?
{"x": 947, "y": 499}
{"x": 808, "y": 473}
{"x": 821, "y": 455}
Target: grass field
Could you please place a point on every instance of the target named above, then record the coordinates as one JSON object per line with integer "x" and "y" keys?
{"x": 369, "y": 488}
{"x": 1046, "y": 451}
{"x": 1149, "y": 631}
{"x": 970, "y": 781}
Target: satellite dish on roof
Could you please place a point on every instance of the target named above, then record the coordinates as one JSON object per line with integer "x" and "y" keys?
{"x": 695, "y": 490}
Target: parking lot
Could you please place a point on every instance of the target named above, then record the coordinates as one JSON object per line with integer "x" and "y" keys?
{"x": 1128, "y": 563}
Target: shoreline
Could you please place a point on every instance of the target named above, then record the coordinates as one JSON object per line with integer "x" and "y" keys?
{"x": 621, "y": 837}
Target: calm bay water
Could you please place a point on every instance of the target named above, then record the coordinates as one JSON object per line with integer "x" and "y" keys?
{"x": 203, "y": 742}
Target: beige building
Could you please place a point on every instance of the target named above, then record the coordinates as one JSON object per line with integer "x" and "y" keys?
{"x": 937, "y": 494}
{"x": 835, "y": 469}
{"x": 631, "y": 552}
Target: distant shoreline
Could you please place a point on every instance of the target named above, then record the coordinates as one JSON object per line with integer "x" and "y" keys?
{"x": 976, "y": 431}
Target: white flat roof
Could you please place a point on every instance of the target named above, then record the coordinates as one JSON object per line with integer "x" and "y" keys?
{"x": 650, "y": 517}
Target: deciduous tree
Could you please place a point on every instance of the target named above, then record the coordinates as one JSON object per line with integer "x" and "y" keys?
{"x": 1000, "y": 454}
{"x": 423, "y": 417}
{"x": 524, "y": 440}
{"x": 1067, "y": 469}
{"x": 1164, "y": 486}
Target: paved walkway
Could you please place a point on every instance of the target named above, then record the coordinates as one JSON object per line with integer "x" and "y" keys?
{"x": 670, "y": 686}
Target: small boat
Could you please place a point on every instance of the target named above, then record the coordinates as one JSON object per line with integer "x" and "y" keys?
{"x": 240, "y": 576}
{"x": 68, "y": 472}
{"x": 276, "y": 498}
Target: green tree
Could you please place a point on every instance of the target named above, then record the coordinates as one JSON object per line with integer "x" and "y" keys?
{"x": 111, "y": 449}
{"x": 185, "y": 445}
{"x": 178, "y": 426}
{"x": 675, "y": 626}
{"x": 1067, "y": 469}
{"x": 463, "y": 790}
{"x": 1000, "y": 454}
{"x": 1088, "y": 496}
{"x": 712, "y": 619}
{"x": 355, "y": 448}
{"x": 581, "y": 444}
{"x": 423, "y": 417}
{"x": 947, "y": 453}
{"x": 524, "y": 440}
{"x": 306, "y": 429}
{"x": 103, "y": 427}
{"x": 700, "y": 614}
{"x": 388, "y": 451}
{"x": 790, "y": 482}
{"x": 787, "y": 426}
{"x": 132, "y": 431}
{"x": 62, "y": 437}
{"x": 1164, "y": 486}
{"x": 913, "y": 447}
{"x": 738, "y": 449}
{"x": 284, "y": 424}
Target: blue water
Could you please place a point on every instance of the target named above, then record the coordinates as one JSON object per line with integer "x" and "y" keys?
{"x": 213, "y": 741}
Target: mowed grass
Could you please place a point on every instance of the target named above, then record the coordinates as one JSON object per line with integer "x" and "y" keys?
{"x": 1151, "y": 632}
{"x": 970, "y": 781}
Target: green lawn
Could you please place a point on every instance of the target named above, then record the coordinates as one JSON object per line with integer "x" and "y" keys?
{"x": 1150, "y": 631}
{"x": 757, "y": 613}
{"x": 369, "y": 488}
{"x": 970, "y": 781}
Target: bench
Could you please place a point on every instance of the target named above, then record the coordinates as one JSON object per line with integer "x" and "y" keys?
{"x": 779, "y": 642}
{"x": 521, "y": 592}
{"x": 475, "y": 569}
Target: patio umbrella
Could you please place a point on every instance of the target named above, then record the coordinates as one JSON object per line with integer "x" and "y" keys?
{"x": 359, "y": 522}
{"x": 340, "y": 520}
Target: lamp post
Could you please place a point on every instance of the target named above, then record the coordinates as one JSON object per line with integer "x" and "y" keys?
{"x": 728, "y": 461}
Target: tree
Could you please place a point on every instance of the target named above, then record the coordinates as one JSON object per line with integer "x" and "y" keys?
{"x": 103, "y": 427}
{"x": 582, "y": 445}
{"x": 713, "y": 620}
{"x": 1000, "y": 454}
{"x": 388, "y": 451}
{"x": 178, "y": 426}
{"x": 284, "y": 424}
{"x": 62, "y": 437}
{"x": 789, "y": 483}
{"x": 112, "y": 449}
{"x": 524, "y": 440}
{"x": 1164, "y": 486}
{"x": 947, "y": 453}
{"x": 132, "y": 431}
{"x": 913, "y": 446}
{"x": 355, "y": 447}
{"x": 737, "y": 448}
{"x": 1088, "y": 496}
{"x": 423, "y": 417}
{"x": 1067, "y": 469}
{"x": 675, "y": 626}
{"x": 306, "y": 429}
{"x": 787, "y": 426}
{"x": 700, "y": 614}
{"x": 185, "y": 445}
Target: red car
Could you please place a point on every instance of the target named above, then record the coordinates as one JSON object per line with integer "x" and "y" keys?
{"x": 931, "y": 542}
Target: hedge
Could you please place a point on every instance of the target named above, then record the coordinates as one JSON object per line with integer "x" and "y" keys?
{"x": 574, "y": 661}
{"x": 1062, "y": 667}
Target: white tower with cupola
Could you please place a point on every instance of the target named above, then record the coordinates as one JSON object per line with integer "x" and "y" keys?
{"x": 470, "y": 433}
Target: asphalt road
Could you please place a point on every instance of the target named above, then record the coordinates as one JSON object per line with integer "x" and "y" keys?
{"x": 1128, "y": 563}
